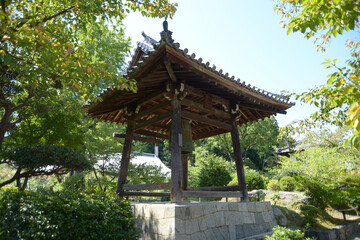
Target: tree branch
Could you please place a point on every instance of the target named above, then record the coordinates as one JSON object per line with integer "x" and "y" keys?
{"x": 25, "y": 103}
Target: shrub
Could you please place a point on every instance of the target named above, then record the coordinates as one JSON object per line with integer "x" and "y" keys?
{"x": 273, "y": 185}
{"x": 64, "y": 215}
{"x": 310, "y": 213}
{"x": 275, "y": 198}
{"x": 214, "y": 172}
{"x": 320, "y": 195}
{"x": 254, "y": 180}
{"x": 287, "y": 183}
{"x": 209, "y": 170}
{"x": 281, "y": 233}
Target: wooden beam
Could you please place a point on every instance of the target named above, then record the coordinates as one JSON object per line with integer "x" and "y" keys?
{"x": 208, "y": 101}
{"x": 216, "y": 188}
{"x": 212, "y": 122}
{"x": 147, "y": 194}
{"x": 211, "y": 194}
{"x": 151, "y": 97}
{"x": 152, "y": 109}
{"x": 209, "y": 134}
{"x": 199, "y": 106}
{"x": 170, "y": 69}
{"x": 152, "y": 134}
{"x": 152, "y": 120}
{"x": 138, "y": 138}
{"x": 238, "y": 160}
{"x": 245, "y": 115}
{"x": 150, "y": 186}
{"x": 125, "y": 159}
{"x": 201, "y": 93}
{"x": 176, "y": 139}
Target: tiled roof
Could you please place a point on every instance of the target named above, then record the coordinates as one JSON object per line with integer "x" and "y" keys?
{"x": 149, "y": 47}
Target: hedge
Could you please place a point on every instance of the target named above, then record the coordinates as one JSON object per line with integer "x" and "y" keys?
{"x": 64, "y": 215}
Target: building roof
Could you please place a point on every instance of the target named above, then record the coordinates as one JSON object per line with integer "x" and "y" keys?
{"x": 208, "y": 96}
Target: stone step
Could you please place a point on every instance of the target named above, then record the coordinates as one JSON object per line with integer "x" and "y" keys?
{"x": 256, "y": 237}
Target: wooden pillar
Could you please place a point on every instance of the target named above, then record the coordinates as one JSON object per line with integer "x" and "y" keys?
{"x": 125, "y": 159}
{"x": 238, "y": 159}
{"x": 176, "y": 141}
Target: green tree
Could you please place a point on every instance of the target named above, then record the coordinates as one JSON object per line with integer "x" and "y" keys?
{"x": 257, "y": 139}
{"x": 338, "y": 99}
{"x": 42, "y": 160}
{"x": 49, "y": 45}
{"x": 209, "y": 170}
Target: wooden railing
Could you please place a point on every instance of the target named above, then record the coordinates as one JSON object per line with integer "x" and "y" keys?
{"x": 203, "y": 192}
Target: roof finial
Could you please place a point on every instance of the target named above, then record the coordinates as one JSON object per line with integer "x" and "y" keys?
{"x": 166, "y": 34}
{"x": 165, "y": 26}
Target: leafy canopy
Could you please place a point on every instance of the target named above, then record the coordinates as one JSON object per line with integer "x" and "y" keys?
{"x": 48, "y": 46}
{"x": 338, "y": 99}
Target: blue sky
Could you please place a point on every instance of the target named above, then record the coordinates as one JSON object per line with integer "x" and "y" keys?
{"x": 245, "y": 39}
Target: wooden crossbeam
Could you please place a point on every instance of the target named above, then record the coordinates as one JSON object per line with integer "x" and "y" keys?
{"x": 215, "y": 188}
{"x": 216, "y": 112}
{"x": 138, "y": 138}
{"x": 211, "y": 194}
{"x": 151, "y": 186}
{"x": 153, "y": 120}
{"x": 209, "y": 134}
{"x": 152, "y": 109}
{"x": 212, "y": 122}
{"x": 152, "y": 134}
{"x": 147, "y": 194}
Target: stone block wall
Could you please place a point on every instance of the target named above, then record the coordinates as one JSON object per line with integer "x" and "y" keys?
{"x": 218, "y": 220}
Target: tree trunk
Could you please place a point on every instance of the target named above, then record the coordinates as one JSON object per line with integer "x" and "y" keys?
{"x": 4, "y": 123}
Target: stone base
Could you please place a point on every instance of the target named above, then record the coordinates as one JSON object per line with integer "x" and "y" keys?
{"x": 212, "y": 221}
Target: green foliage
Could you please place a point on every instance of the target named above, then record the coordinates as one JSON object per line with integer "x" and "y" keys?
{"x": 143, "y": 173}
{"x": 287, "y": 184}
{"x": 275, "y": 198}
{"x": 214, "y": 173}
{"x": 51, "y": 49}
{"x": 273, "y": 185}
{"x": 258, "y": 140}
{"x": 209, "y": 170}
{"x": 338, "y": 99}
{"x": 37, "y": 160}
{"x": 37, "y": 157}
{"x": 320, "y": 193}
{"x": 254, "y": 180}
{"x": 281, "y": 233}
{"x": 64, "y": 215}
{"x": 310, "y": 213}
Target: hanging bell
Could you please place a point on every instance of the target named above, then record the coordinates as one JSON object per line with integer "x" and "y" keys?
{"x": 186, "y": 133}
{"x": 187, "y": 144}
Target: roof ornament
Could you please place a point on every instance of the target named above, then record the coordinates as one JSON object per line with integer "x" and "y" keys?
{"x": 166, "y": 34}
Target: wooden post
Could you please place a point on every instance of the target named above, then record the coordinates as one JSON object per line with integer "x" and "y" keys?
{"x": 176, "y": 141}
{"x": 238, "y": 160}
{"x": 184, "y": 173}
{"x": 125, "y": 159}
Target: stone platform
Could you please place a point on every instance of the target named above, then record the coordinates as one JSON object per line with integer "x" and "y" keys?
{"x": 211, "y": 221}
